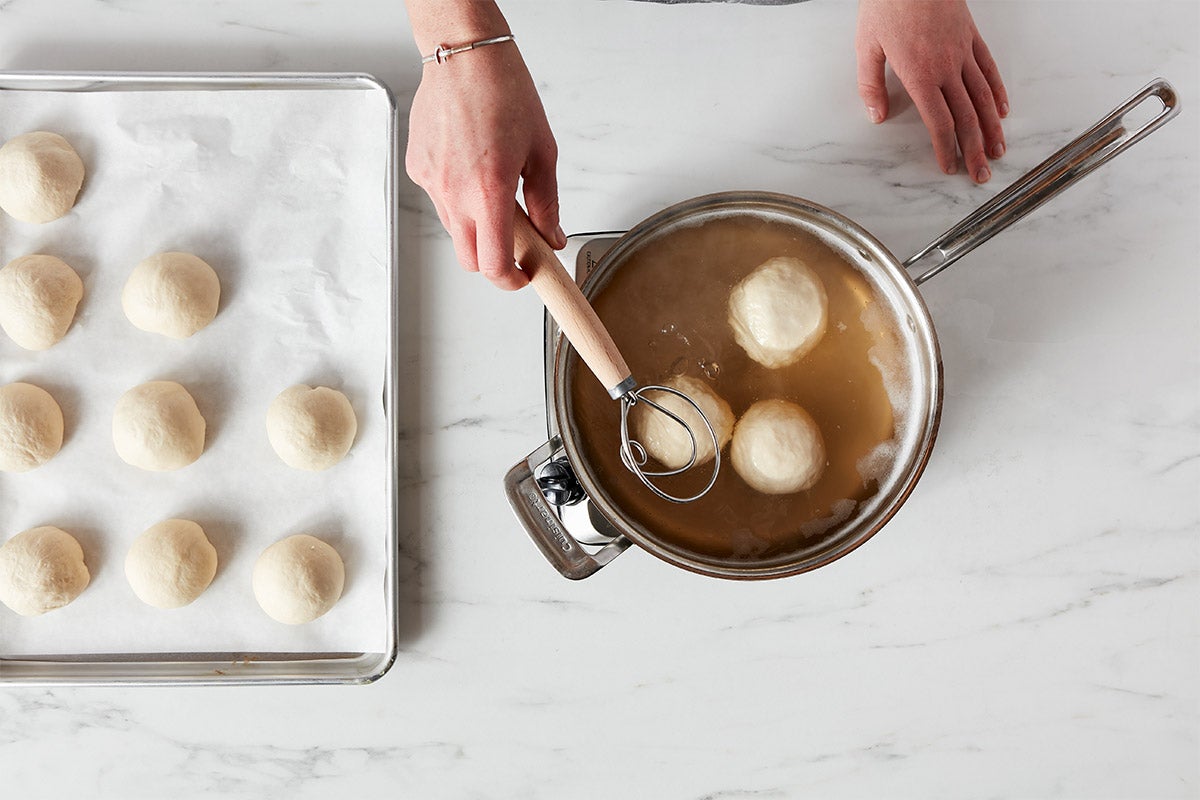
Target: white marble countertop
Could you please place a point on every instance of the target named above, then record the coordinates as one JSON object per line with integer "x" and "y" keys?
{"x": 1026, "y": 626}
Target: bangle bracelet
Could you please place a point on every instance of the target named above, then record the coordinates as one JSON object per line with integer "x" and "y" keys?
{"x": 443, "y": 52}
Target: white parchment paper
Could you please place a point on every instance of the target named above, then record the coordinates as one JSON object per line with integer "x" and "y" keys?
{"x": 283, "y": 193}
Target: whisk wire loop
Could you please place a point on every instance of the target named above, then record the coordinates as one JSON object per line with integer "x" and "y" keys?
{"x": 635, "y": 457}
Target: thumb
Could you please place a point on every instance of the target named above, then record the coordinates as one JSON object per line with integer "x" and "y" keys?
{"x": 541, "y": 193}
{"x": 872, "y": 87}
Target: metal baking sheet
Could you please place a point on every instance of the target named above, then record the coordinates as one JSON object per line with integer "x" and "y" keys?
{"x": 180, "y": 121}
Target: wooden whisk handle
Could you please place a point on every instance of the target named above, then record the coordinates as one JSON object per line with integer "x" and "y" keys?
{"x": 570, "y": 309}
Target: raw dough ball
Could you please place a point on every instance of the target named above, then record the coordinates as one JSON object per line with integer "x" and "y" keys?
{"x": 777, "y": 448}
{"x": 669, "y": 443}
{"x": 311, "y": 428}
{"x": 171, "y": 564}
{"x": 175, "y": 294}
{"x": 40, "y": 570}
{"x": 38, "y": 296}
{"x": 31, "y": 427}
{"x": 778, "y": 312}
{"x": 40, "y": 176}
{"x": 298, "y": 579}
{"x": 157, "y": 426}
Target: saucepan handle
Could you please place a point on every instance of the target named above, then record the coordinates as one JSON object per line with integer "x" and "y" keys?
{"x": 542, "y": 523}
{"x": 1104, "y": 140}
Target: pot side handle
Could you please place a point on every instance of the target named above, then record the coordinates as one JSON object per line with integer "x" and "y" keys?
{"x": 1103, "y": 141}
{"x": 541, "y": 522}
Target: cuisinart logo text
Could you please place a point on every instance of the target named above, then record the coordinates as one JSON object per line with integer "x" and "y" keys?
{"x": 560, "y": 536}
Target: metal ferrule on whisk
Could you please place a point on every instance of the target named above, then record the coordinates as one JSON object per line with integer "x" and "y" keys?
{"x": 623, "y": 388}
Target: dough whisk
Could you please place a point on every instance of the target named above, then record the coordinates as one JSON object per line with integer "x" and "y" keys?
{"x": 583, "y": 328}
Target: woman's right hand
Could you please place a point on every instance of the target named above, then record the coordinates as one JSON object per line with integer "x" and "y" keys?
{"x": 476, "y": 127}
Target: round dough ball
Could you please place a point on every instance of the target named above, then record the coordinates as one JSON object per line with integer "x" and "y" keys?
{"x": 40, "y": 176}
{"x": 175, "y": 294}
{"x": 311, "y": 428}
{"x": 777, "y": 448}
{"x": 665, "y": 440}
{"x": 298, "y": 579}
{"x": 31, "y": 427}
{"x": 38, "y": 297}
{"x": 157, "y": 427}
{"x": 40, "y": 570}
{"x": 778, "y": 312}
{"x": 171, "y": 564}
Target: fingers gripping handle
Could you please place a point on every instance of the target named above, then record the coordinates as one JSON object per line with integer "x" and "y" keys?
{"x": 570, "y": 309}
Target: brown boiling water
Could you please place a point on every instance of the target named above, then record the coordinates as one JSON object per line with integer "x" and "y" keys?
{"x": 666, "y": 310}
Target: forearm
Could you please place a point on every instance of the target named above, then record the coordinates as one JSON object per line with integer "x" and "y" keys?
{"x": 436, "y": 22}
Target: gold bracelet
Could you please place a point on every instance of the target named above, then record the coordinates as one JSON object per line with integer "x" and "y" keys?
{"x": 444, "y": 52}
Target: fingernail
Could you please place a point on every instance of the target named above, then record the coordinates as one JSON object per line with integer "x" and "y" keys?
{"x": 560, "y": 238}
{"x": 952, "y": 169}
{"x": 1004, "y": 109}
{"x": 874, "y": 114}
{"x": 983, "y": 175}
{"x": 997, "y": 149}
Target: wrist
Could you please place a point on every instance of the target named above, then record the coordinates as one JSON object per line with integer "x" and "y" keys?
{"x": 438, "y": 22}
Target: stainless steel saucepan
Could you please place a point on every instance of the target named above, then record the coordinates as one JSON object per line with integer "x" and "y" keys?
{"x": 542, "y": 487}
